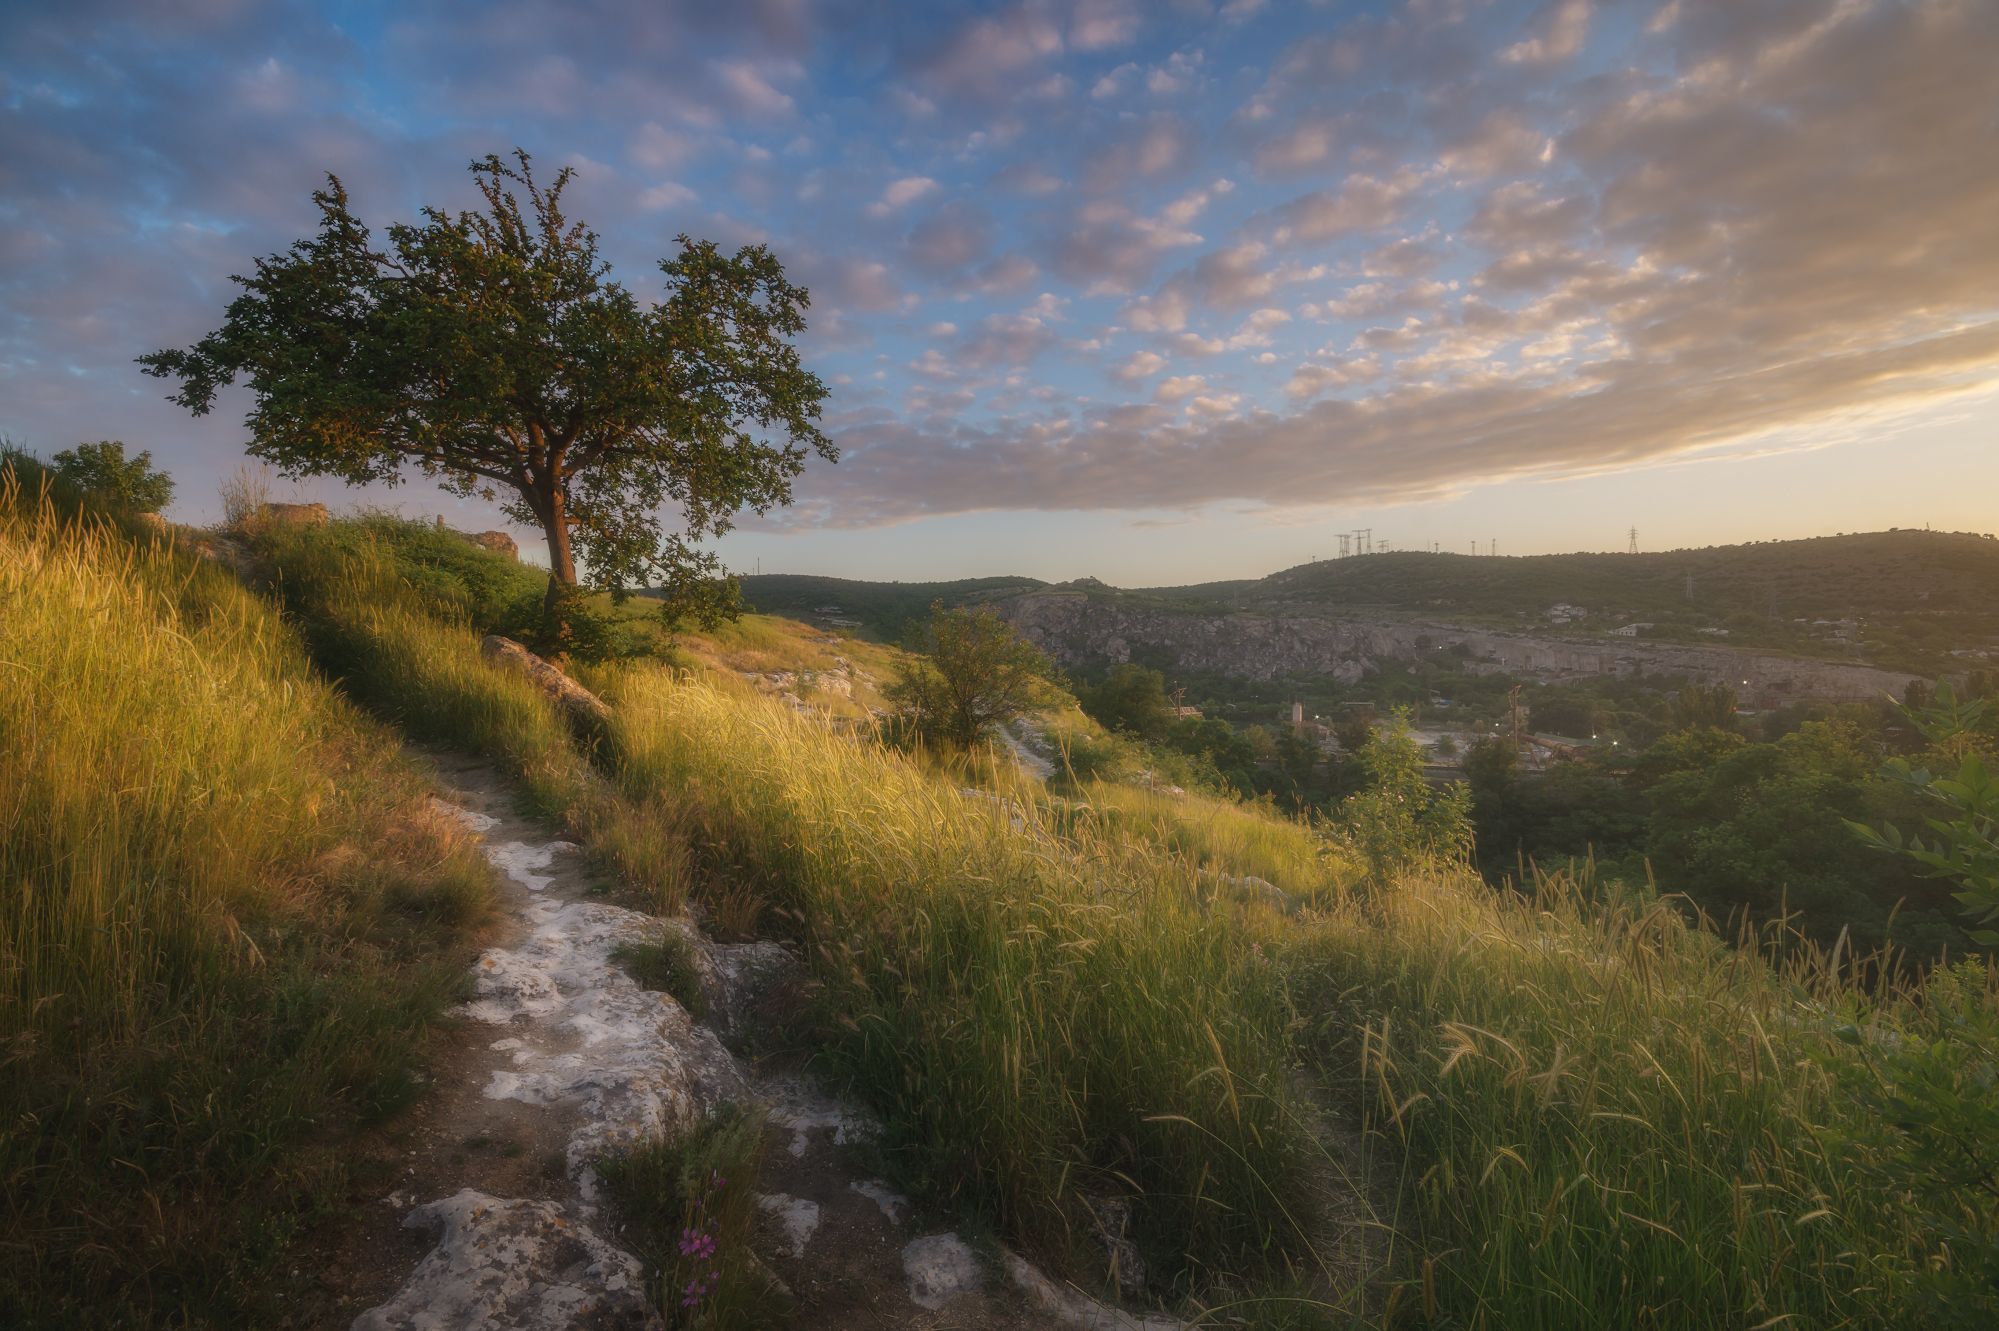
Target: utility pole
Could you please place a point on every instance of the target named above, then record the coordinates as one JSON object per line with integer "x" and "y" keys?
{"x": 1513, "y": 706}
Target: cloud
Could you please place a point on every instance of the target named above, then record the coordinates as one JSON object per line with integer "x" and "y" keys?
{"x": 1155, "y": 147}
{"x": 948, "y": 240}
{"x": 1107, "y": 247}
{"x": 750, "y": 90}
{"x": 1141, "y": 366}
{"x": 1505, "y": 141}
{"x": 1362, "y": 203}
{"x": 986, "y": 58}
{"x": 899, "y": 194}
{"x": 1111, "y": 83}
{"x": 1101, "y": 24}
{"x": 1620, "y": 242}
{"x": 1304, "y": 146}
{"x": 1565, "y": 30}
{"x": 1183, "y": 210}
{"x": 1794, "y": 227}
{"x": 1177, "y": 75}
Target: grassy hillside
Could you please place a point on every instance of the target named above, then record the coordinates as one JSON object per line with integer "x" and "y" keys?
{"x": 1406, "y": 1100}
{"x": 226, "y": 916}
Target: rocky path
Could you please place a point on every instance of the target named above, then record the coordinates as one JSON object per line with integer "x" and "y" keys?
{"x": 561, "y": 1058}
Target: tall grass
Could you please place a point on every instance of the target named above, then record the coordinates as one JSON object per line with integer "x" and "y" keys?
{"x": 1044, "y": 1022}
{"x": 225, "y": 918}
{"x": 1605, "y": 1117}
{"x": 1226, "y": 837}
{"x": 404, "y": 650}
{"x": 390, "y": 609}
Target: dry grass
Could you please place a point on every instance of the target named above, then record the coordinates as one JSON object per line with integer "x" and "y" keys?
{"x": 1045, "y": 1017}
{"x": 225, "y": 919}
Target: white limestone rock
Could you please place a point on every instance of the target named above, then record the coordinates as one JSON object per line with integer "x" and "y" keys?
{"x": 940, "y": 1268}
{"x": 514, "y": 1265}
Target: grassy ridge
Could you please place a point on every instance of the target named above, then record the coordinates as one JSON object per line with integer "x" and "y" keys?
{"x": 1041, "y": 1021}
{"x": 226, "y": 916}
{"x": 1578, "y": 1114}
{"x": 1606, "y": 1117}
{"x": 407, "y": 649}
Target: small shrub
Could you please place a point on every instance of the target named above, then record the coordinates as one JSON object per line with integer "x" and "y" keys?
{"x": 976, "y": 673}
{"x": 103, "y": 472}
{"x": 669, "y": 967}
{"x": 689, "y": 1211}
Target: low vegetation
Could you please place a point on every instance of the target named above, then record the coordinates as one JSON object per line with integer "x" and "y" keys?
{"x": 1044, "y": 1019}
{"x": 229, "y": 915}
{"x": 1334, "y": 1075}
{"x": 689, "y": 1209}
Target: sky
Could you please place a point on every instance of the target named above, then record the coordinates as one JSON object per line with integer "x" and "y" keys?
{"x": 1157, "y": 293}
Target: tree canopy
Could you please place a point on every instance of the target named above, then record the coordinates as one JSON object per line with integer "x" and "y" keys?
{"x": 976, "y": 673}
{"x": 102, "y": 471}
{"x": 491, "y": 351}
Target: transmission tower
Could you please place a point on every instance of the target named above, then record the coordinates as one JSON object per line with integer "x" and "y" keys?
{"x": 1634, "y": 540}
{"x": 1346, "y": 545}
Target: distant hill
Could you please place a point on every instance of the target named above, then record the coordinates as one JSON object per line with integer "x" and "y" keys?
{"x": 885, "y": 610}
{"x": 1902, "y": 599}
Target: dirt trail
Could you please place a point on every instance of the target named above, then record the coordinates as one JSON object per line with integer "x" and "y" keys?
{"x": 496, "y": 1221}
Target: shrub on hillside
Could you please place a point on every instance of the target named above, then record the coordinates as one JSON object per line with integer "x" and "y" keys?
{"x": 975, "y": 674}
{"x": 103, "y": 472}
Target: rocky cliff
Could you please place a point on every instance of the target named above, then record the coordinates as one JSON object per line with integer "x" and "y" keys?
{"x": 1079, "y": 629}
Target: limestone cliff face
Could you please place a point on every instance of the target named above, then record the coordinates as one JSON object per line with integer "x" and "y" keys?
{"x": 1081, "y": 630}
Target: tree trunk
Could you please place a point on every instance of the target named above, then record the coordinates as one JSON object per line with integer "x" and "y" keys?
{"x": 561, "y": 574}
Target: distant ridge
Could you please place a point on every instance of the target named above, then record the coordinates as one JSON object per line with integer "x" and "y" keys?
{"x": 1906, "y": 599}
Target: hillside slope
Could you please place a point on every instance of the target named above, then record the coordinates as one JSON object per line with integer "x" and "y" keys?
{"x": 228, "y": 915}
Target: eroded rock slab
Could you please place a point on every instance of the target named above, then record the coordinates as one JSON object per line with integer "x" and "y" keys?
{"x": 798, "y": 1218}
{"x": 629, "y": 1064}
{"x": 940, "y": 1268}
{"x": 804, "y": 1110}
{"x": 514, "y": 1266}
{"x": 1065, "y": 1305}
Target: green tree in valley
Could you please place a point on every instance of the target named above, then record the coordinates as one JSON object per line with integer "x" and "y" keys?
{"x": 1704, "y": 707}
{"x": 102, "y": 471}
{"x": 1397, "y": 819}
{"x": 490, "y": 351}
{"x": 1131, "y": 698}
{"x": 975, "y": 673}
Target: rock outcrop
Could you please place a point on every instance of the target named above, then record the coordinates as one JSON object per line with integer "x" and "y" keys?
{"x": 517, "y": 1263}
{"x": 583, "y": 707}
{"x": 1081, "y": 630}
{"x": 497, "y": 541}
{"x": 300, "y": 515}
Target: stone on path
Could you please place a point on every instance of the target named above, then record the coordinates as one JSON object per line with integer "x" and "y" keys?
{"x": 940, "y": 1268}
{"x": 514, "y": 1266}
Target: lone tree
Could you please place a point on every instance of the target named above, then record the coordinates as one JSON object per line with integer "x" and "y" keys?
{"x": 490, "y": 351}
{"x": 102, "y": 471}
{"x": 976, "y": 673}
